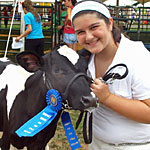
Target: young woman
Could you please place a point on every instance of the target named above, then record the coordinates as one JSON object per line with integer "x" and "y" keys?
{"x": 69, "y": 34}
{"x": 122, "y": 120}
{"x": 33, "y": 33}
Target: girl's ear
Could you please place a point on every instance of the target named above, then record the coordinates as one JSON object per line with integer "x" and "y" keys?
{"x": 111, "y": 23}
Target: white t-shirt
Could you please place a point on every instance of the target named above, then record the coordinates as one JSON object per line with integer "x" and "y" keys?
{"x": 110, "y": 126}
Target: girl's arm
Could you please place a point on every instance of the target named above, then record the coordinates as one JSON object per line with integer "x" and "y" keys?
{"x": 27, "y": 31}
{"x": 137, "y": 110}
{"x": 69, "y": 16}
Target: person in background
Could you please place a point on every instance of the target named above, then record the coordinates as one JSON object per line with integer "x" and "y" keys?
{"x": 122, "y": 120}
{"x": 69, "y": 34}
{"x": 6, "y": 16}
{"x": 45, "y": 24}
{"x": 63, "y": 13}
{"x": 33, "y": 33}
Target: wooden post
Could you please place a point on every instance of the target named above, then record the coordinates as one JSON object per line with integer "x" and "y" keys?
{"x": 117, "y": 11}
{"x": 22, "y": 25}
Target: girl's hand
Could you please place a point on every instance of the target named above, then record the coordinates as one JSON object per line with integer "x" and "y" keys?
{"x": 68, "y": 26}
{"x": 101, "y": 90}
{"x": 59, "y": 27}
{"x": 17, "y": 39}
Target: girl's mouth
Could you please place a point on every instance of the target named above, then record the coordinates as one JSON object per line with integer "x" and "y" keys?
{"x": 92, "y": 43}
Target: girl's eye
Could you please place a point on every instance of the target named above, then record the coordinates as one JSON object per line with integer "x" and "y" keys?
{"x": 94, "y": 27}
{"x": 80, "y": 33}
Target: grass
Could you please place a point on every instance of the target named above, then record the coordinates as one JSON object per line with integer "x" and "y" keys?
{"x": 59, "y": 141}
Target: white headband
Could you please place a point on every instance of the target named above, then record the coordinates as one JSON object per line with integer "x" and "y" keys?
{"x": 90, "y": 5}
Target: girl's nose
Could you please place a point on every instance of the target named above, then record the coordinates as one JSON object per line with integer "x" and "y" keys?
{"x": 89, "y": 36}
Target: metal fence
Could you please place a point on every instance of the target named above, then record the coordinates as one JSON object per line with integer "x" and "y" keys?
{"x": 134, "y": 21}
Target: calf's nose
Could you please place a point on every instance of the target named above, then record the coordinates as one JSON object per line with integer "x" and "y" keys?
{"x": 89, "y": 101}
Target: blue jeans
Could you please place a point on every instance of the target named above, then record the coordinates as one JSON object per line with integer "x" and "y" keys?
{"x": 70, "y": 38}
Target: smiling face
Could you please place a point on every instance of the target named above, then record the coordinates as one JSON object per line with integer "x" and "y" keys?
{"x": 93, "y": 33}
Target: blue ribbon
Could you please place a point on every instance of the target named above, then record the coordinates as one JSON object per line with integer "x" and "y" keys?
{"x": 44, "y": 118}
{"x": 70, "y": 132}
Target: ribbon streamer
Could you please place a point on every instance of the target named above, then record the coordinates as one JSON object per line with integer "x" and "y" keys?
{"x": 44, "y": 118}
{"x": 70, "y": 132}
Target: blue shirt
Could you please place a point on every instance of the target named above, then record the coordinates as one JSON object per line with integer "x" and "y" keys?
{"x": 36, "y": 32}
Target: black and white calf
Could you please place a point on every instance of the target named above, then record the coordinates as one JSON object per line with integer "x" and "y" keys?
{"x": 23, "y": 92}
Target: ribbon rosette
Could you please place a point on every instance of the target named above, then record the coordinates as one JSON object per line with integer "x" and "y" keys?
{"x": 54, "y": 100}
{"x": 43, "y": 118}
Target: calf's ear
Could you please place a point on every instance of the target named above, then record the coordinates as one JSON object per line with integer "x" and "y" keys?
{"x": 29, "y": 61}
{"x": 82, "y": 64}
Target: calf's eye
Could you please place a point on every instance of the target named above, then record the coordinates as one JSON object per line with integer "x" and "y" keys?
{"x": 57, "y": 70}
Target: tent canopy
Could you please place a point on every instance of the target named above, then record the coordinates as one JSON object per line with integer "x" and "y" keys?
{"x": 45, "y": 1}
{"x": 143, "y": 1}
{"x": 120, "y": 2}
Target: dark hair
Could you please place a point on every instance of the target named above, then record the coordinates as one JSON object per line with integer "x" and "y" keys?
{"x": 73, "y": 2}
{"x": 116, "y": 32}
{"x": 28, "y": 5}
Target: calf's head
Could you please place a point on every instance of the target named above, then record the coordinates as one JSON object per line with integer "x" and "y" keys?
{"x": 64, "y": 70}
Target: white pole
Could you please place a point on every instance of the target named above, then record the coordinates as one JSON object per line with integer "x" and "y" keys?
{"x": 6, "y": 50}
{"x": 22, "y": 29}
{"x": 22, "y": 25}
